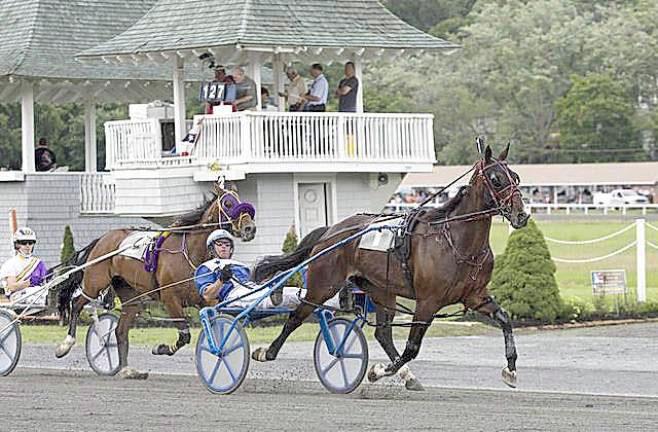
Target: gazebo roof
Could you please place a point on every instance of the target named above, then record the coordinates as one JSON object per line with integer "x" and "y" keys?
{"x": 40, "y": 39}
{"x": 267, "y": 25}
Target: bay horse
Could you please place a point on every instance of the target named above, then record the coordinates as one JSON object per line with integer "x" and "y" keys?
{"x": 449, "y": 261}
{"x": 179, "y": 255}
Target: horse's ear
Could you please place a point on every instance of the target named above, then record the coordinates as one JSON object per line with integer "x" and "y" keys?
{"x": 504, "y": 153}
{"x": 231, "y": 186}
{"x": 488, "y": 154}
{"x": 479, "y": 144}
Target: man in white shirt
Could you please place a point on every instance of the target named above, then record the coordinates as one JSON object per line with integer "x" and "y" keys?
{"x": 316, "y": 98}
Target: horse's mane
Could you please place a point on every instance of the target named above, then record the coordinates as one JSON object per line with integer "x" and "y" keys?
{"x": 445, "y": 210}
{"x": 194, "y": 217}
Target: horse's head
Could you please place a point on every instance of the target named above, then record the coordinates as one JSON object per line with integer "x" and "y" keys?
{"x": 232, "y": 213}
{"x": 501, "y": 186}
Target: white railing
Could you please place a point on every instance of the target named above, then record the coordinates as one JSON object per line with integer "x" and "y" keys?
{"x": 569, "y": 209}
{"x": 257, "y": 137}
{"x": 129, "y": 142}
{"x": 96, "y": 195}
{"x": 587, "y": 209}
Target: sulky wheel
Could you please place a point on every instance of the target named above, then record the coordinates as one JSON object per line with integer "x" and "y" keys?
{"x": 223, "y": 373}
{"x": 101, "y": 345}
{"x": 10, "y": 342}
{"x": 344, "y": 372}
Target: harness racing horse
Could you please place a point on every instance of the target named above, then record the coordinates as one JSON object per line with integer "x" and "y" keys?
{"x": 449, "y": 261}
{"x": 170, "y": 282}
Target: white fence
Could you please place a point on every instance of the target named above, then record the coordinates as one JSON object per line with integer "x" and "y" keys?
{"x": 281, "y": 136}
{"x": 550, "y": 209}
{"x": 96, "y": 196}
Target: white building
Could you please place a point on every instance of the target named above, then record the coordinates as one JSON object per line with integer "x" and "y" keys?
{"x": 301, "y": 169}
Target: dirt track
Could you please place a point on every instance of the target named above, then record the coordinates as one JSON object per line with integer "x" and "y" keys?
{"x": 51, "y": 400}
{"x": 561, "y": 373}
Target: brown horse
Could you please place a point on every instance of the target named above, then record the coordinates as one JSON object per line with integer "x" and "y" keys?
{"x": 449, "y": 261}
{"x": 179, "y": 254}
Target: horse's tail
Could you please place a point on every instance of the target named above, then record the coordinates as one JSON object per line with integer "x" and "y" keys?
{"x": 270, "y": 265}
{"x": 68, "y": 287}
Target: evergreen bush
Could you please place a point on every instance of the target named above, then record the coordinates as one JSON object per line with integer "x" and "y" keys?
{"x": 523, "y": 280}
{"x": 290, "y": 244}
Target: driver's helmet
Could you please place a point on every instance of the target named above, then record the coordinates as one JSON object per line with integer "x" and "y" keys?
{"x": 24, "y": 234}
{"x": 219, "y": 234}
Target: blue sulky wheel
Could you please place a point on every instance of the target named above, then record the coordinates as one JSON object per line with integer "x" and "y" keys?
{"x": 10, "y": 343}
{"x": 343, "y": 373}
{"x": 224, "y": 373}
{"x": 101, "y": 345}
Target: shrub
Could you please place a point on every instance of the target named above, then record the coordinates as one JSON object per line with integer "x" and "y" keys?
{"x": 68, "y": 248}
{"x": 289, "y": 245}
{"x": 523, "y": 280}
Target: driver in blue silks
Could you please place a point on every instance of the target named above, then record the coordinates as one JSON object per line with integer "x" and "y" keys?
{"x": 223, "y": 278}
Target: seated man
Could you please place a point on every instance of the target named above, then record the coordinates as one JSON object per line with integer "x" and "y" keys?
{"x": 222, "y": 278}
{"x": 22, "y": 275}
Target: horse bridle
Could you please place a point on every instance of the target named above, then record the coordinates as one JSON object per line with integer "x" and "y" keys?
{"x": 502, "y": 199}
{"x": 235, "y": 224}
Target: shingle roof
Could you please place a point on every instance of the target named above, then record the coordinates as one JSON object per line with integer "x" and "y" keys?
{"x": 199, "y": 24}
{"x": 632, "y": 173}
{"x": 39, "y": 38}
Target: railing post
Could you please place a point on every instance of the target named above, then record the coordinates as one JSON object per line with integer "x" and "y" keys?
{"x": 245, "y": 132}
{"x": 340, "y": 136}
{"x": 640, "y": 258}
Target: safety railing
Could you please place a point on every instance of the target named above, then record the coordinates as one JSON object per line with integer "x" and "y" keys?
{"x": 96, "y": 194}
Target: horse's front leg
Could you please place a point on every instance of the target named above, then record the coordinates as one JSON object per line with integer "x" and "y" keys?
{"x": 498, "y": 314}
{"x": 384, "y": 335}
{"x": 128, "y": 314}
{"x": 416, "y": 334}
{"x": 176, "y": 312}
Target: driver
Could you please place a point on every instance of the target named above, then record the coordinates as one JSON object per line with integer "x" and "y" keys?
{"x": 223, "y": 278}
{"x": 21, "y": 276}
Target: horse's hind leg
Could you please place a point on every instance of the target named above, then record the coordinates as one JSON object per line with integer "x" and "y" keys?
{"x": 295, "y": 320}
{"x": 498, "y": 314}
{"x": 175, "y": 310}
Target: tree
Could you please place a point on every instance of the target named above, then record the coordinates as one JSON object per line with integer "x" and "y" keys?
{"x": 523, "y": 280}
{"x": 596, "y": 121}
{"x": 68, "y": 247}
{"x": 289, "y": 245}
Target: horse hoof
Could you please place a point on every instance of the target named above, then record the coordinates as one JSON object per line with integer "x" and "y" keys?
{"x": 132, "y": 373}
{"x": 260, "y": 354}
{"x": 376, "y": 372}
{"x": 414, "y": 385}
{"x": 65, "y": 347}
{"x": 161, "y": 349}
{"x": 509, "y": 377}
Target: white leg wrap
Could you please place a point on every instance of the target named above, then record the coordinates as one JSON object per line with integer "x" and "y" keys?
{"x": 406, "y": 374}
{"x": 379, "y": 370}
{"x": 69, "y": 340}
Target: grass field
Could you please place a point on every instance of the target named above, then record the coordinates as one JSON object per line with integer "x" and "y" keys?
{"x": 50, "y": 334}
{"x": 574, "y": 279}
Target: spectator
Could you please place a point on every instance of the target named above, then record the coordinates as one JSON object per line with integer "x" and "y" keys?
{"x": 347, "y": 90}
{"x": 44, "y": 158}
{"x": 316, "y": 97}
{"x": 266, "y": 104}
{"x": 245, "y": 90}
{"x": 296, "y": 90}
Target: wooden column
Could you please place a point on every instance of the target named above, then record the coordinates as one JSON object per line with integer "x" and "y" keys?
{"x": 90, "y": 137}
{"x": 27, "y": 127}
{"x": 179, "y": 100}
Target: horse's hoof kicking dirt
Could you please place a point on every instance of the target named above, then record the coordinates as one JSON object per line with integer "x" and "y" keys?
{"x": 260, "y": 354}
{"x": 509, "y": 377}
{"x": 132, "y": 373}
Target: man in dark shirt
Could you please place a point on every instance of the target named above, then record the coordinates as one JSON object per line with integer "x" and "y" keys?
{"x": 44, "y": 158}
{"x": 347, "y": 90}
